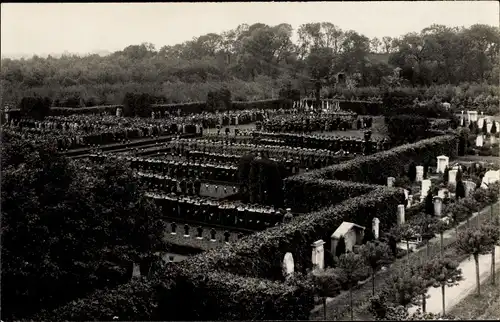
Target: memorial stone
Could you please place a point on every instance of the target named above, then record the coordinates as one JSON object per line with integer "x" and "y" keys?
{"x": 401, "y": 214}
{"x": 318, "y": 255}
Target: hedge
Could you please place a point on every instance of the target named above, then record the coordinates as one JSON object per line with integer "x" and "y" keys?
{"x": 263, "y": 104}
{"x": 377, "y": 167}
{"x": 362, "y": 107}
{"x": 305, "y": 195}
{"x": 65, "y": 111}
{"x": 175, "y": 295}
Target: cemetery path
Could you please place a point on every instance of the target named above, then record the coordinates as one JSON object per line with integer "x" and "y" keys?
{"x": 453, "y": 295}
{"x": 338, "y": 307}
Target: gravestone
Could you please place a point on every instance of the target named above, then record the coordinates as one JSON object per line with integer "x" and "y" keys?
{"x": 119, "y": 111}
{"x": 390, "y": 182}
{"x": 452, "y": 177}
{"x": 480, "y": 122}
{"x": 490, "y": 176}
{"x": 136, "y": 270}
{"x": 479, "y": 140}
{"x": 375, "y": 227}
{"x": 420, "y": 173}
{"x": 401, "y": 214}
{"x": 472, "y": 116}
{"x": 442, "y": 163}
{"x": 407, "y": 193}
{"x": 489, "y": 125}
{"x": 469, "y": 188}
{"x": 318, "y": 255}
{"x": 288, "y": 265}
{"x": 438, "y": 205}
{"x": 426, "y": 185}
{"x": 410, "y": 201}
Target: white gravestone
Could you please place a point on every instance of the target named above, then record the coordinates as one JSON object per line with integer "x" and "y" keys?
{"x": 401, "y": 214}
{"x": 489, "y": 125}
{"x": 469, "y": 188}
{"x": 410, "y": 201}
{"x": 420, "y": 173}
{"x": 375, "y": 227}
{"x": 452, "y": 177}
{"x": 136, "y": 270}
{"x": 490, "y": 176}
{"x": 288, "y": 265}
{"x": 479, "y": 140}
{"x": 438, "y": 206}
{"x": 462, "y": 122}
{"x": 472, "y": 116}
{"x": 318, "y": 255}
{"x": 390, "y": 182}
{"x": 442, "y": 162}
{"x": 480, "y": 122}
{"x": 407, "y": 193}
{"x": 426, "y": 185}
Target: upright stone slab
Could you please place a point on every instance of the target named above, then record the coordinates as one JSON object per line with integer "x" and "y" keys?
{"x": 472, "y": 116}
{"x": 442, "y": 162}
{"x": 136, "y": 270}
{"x": 376, "y": 227}
{"x": 479, "y": 140}
{"x": 469, "y": 188}
{"x": 401, "y": 214}
{"x": 438, "y": 206}
{"x": 390, "y": 182}
{"x": 420, "y": 173}
{"x": 480, "y": 122}
{"x": 426, "y": 185}
{"x": 452, "y": 177}
{"x": 489, "y": 125}
{"x": 318, "y": 255}
{"x": 410, "y": 201}
{"x": 288, "y": 265}
{"x": 119, "y": 111}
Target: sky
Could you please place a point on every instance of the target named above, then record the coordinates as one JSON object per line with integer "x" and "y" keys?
{"x": 81, "y": 28}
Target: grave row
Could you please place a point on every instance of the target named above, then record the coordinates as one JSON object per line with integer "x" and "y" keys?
{"x": 211, "y": 212}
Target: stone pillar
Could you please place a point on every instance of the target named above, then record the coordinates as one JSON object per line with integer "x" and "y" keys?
{"x": 318, "y": 255}
{"x": 452, "y": 177}
{"x": 420, "y": 173}
{"x": 480, "y": 123}
{"x": 479, "y": 140}
{"x": 442, "y": 163}
{"x": 438, "y": 205}
{"x": 119, "y": 111}
{"x": 327, "y": 105}
{"x": 401, "y": 214}
{"x": 488, "y": 127}
{"x": 426, "y": 185}
{"x": 375, "y": 227}
{"x": 390, "y": 182}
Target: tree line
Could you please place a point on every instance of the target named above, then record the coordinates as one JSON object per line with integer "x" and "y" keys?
{"x": 256, "y": 58}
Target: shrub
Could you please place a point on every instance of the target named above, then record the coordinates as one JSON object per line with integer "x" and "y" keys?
{"x": 406, "y": 128}
{"x": 377, "y": 167}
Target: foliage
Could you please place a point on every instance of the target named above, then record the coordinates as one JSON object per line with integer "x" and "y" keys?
{"x": 412, "y": 172}
{"x": 375, "y": 254}
{"x": 35, "y": 107}
{"x": 406, "y": 128}
{"x": 429, "y": 204}
{"x": 404, "y": 288}
{"x": 68, "y": 230}
{"x": 377, "y": 167}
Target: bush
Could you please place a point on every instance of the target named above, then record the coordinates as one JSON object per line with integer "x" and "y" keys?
{"x": 406, "y": 128}
{"x": 304, "y": 195}
{"x": 35, "y": 107}
{"x": 377, "y": 167}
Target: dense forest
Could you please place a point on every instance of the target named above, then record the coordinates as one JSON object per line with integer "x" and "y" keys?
{"x": 255, "y": 61}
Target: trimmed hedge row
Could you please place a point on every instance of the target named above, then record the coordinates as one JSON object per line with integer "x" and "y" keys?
{"x": 304, "y": 195}
{"x": 263, "y": 104}
{"x": 177, "y": 295}
{"x": 377, "y": 167}
{"x": 363, "y": 107}
{"x": 65, "y": 111}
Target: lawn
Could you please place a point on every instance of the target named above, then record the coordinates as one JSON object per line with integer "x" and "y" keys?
{"x": 484, "y": 307}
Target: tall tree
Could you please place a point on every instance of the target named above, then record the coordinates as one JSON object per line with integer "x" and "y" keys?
{"x": 374, "y": 254}
{"x": 352, "y": 266}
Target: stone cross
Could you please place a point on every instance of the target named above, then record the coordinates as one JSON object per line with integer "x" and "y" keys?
{"x": 442, "y": 163}
{"x": 426, "y": 185}
{"x": 438, "y": 205}
{"x": 390, "y": 182}
{"x": 288, "y": 265}
{"x": 375, "y": 227}
{"x": 401, "y": 214}
{"x": 479, "y": 140}
{"x": 420, "y": 173}
{"x": 452, "y": 177}
{"x": 318, "y": 255}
